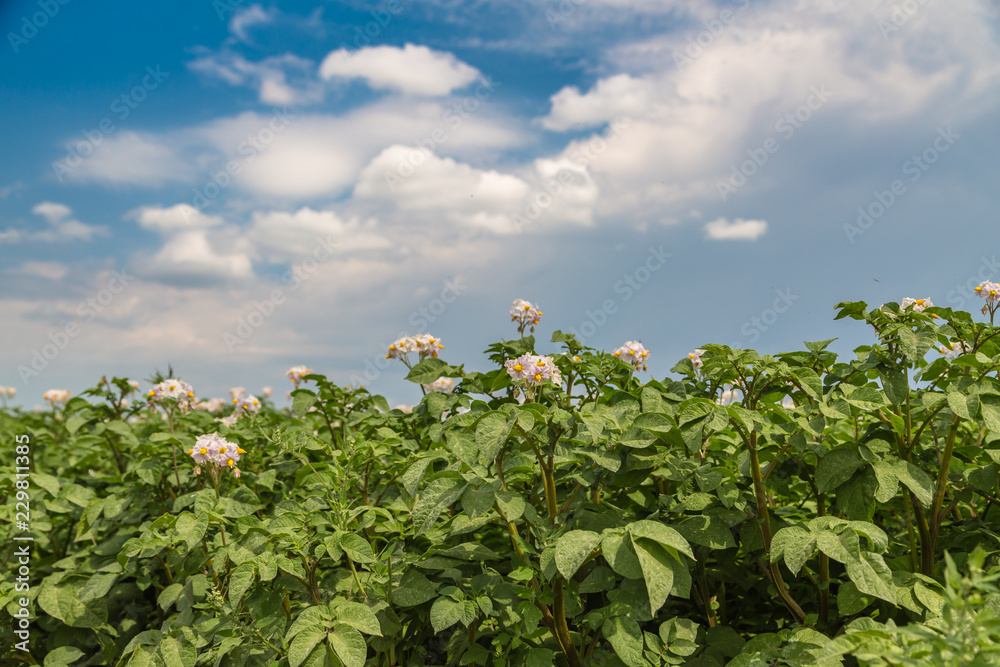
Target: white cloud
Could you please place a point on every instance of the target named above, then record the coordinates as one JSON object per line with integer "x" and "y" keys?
{"x": 189, "y": 259}
{"x": 415, "y": 70}
{"x": 175, "y": 218}
{"x": 245, "y": 18}
{"x": 270, "y": 77}
{"x": 737, "y": 230}
{"x": 12, "y": 189}
{"x": 129, "y": 158}
{"x": 282, "y": 236}
{"x": 615, "y": 96}
{"x": 63, "y": 227}
{"x": 47, "y": 270}
{"x": 443, "y": 187}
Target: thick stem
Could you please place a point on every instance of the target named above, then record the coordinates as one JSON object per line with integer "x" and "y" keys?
{"x": 936, "y": 515}
{"x": 824, "y": 572}
{"x": 765, "y": 529}
{"x": 562, "y": 630}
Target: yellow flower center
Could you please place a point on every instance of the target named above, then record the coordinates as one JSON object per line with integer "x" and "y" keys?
{"x": 203, "y": 450}
{"x": 222, "y": 450}
{"x": 518, "y": 367}
{"x": 538, "y": 376}
{"x": 920, "y": 302}
{"x": 230, "y": 462}
{"x": 240, "y": 450}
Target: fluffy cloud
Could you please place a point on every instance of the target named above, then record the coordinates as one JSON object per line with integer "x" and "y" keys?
{"x": 283, "y": 236}
{"x": 270, "y": 77}
{"x": 62, "y": 227}
{"x": 415, "y": 70}
{"x": 175, "y": 218}
{"x": 129, "y": 158}
{"x": 737, "y": 230}
{"x": 47, "y": 270}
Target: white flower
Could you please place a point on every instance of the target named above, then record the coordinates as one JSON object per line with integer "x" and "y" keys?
{"x": 919, "y": 305}
{"x": 989, "y": 291}
{"x": 633, "y": 353}
{"x": 172, "y": 390}
{"x": 695, "y": 358}
{"x": 56, "y": 396}
{"x": 295, "y": 373}
{"x": 404, "y": 408}
{"x": 444, "y": 385}
{"x": 246, "y": 404}
{"x": 730, "y": 396}
{"x": 236, "y": 392}
{"x": 533, "y": 369}
{"x": 230, "y": 420}
{"x": 525, "y": 314}
{"x": 216, "y": 450}
{"x": 266, "y": 392}
{"x": 425, "y": 345}
{"x": 211, "y": 405}
{"x": 956, "y": 349}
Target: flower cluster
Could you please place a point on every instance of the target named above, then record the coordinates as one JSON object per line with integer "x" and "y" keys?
{"x": 991, "y": 292}
{"x": 172, "y": 391}
{"x": 296, "y": 373}
{"x": 525, "y": 314}
{"x": 695, "y": 358}
{"x": 533, "y": 369}
{"x": 956, "y": 349}
{"x": 633, "y": 353}
{"x": 443, "y": 385}
{"x": 215, "y": 450}
{"x": 7, "y": 393}
{"x": 236, "y": 392}
{"x": 211, "y": 405}
{"x": 730, "y": 396}
{"x": 424, "y": 345}
{"x": 56, "y": 396}
{"x": 267, "y": 392}
{"x": 246, "y": 404}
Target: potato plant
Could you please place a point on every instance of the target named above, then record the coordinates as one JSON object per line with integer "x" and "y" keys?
{"x": 794, "y": 509}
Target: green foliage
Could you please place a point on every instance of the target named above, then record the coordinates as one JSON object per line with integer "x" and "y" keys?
{"x": 824, "y": 517}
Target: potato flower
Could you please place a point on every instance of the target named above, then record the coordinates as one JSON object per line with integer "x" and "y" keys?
{"x": 695, "y": 358}
{"x": 444, "y": 385}
{"x": 56, "y": 396}
{"x": 296, "y": 373}
{"x": 217, "y": 451}
{"x": 525, "y": 314}
{"x": 172, "y": 392}
{"x": 633, "y": 353}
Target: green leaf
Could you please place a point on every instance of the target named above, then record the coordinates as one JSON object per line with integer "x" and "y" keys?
{"x": 625, "y": 637}
{"x": 349, "y": 644}
{"x": 62, "y": 602}
{"x": 888, "y": 482}
{"x": 414, "y": 589}
{"x": 437, "y": 497}
{"x": 63, "y": 656}
{"x": 303, "y": 644}
{"x": 240, "y": 580}
{"x": 431, "y": 369}
{"x": 573, "y": 548}
{"x": 958, "y": 404}
{"x": 360, "y": 617}
{"x": 916, "y": 480}
{"x": 894, "y": 385}
{"x": 796, "y": 544}
{"x": 357, "y": 548}
{"x": 620, "y": 555}
{"x": 540, "y": 657}
{"x": 836, "y": 467}
{"x": 872, "y": 576}
{"x": 492, "y": 432}
{"x": 477, "y": 500}
{"x": 302, "y": 400}
{"x": 850, "y": 600}
{"x": 124, "y": 430}
{"x": 665, "y": 535}
{"x": 856, "y": 498}
{"x": 708, "y": 531}
{"x": 656, "y": 571}
{"x": 446, "y": 612}
{"x": 177, "y": 653}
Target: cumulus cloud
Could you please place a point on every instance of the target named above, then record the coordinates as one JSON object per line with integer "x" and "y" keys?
{"x": 61, "y": 226}
{"x": 283, "y": 80}
{"x": 289, "y": 236}
{"x": 174, "y": 218}
{"x": 47, "y": 270}
{"x": 737, "y": 230}
{"x": 413, "y": 69}
{"x": 130, "y": 158}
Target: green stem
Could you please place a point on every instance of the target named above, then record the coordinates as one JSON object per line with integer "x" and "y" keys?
{"x": 936, "y": 516}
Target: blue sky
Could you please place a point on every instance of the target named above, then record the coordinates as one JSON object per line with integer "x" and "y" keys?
{"x": 335, "y": 175}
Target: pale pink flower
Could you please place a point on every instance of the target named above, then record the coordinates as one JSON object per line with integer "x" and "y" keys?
{"x": 633, "y": 353}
